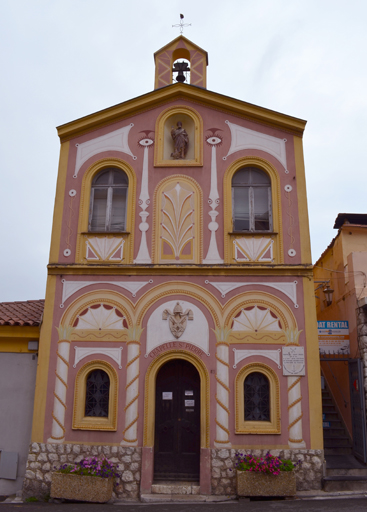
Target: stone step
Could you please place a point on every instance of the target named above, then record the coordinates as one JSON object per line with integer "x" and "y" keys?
{"x": 337, "y": 442}
{"x": 183, "y": 498}
{"x": 345, "y": 483}
{"x": 337, "y": 450}
{"x": 182, "y": 488}
{"x": 333, "y": 431}
{"x": 338, "y": 437}
{"x": 346, "y": 471}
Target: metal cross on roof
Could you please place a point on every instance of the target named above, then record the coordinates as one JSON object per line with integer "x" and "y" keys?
{"x": 182, "y": 24}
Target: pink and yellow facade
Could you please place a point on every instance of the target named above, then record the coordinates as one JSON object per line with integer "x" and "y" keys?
{"x": 153, "y": 266}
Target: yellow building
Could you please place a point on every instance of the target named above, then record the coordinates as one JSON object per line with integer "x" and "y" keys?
{"x": 342, "y": 267}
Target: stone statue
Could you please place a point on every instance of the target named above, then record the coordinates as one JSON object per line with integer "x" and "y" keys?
{"x": 181, "y": 141}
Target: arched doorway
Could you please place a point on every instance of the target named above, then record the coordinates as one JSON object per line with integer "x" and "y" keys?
{"x": 177, "y": 422}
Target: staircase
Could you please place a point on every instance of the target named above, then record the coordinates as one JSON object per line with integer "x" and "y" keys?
{"x": 343, "y": 471}
{"x": 336, "y": 437}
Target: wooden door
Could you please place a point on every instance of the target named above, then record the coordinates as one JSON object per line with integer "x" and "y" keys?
{"x": 177, "y": 422}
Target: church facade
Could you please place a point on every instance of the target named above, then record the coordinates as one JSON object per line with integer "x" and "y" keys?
{"x": 179, "y": 322}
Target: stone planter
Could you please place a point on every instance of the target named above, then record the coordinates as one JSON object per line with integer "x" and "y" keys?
{"x": 258, "y": 484}
{"x": 81, "y": 488}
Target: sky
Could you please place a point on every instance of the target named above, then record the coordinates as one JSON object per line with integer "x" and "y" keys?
{"x": 64, "y": 59}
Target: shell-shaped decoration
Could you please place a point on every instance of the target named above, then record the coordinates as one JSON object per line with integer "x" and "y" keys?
{"x": 100, "y": 317}
{"x": 256, "y": 319}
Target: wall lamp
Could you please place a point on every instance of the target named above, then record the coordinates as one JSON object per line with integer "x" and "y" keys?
{"x": 328, "y": 292}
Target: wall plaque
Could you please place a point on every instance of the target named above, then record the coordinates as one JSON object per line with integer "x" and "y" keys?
{"x": 293, "y": 361}
{"x": 167, "y": 395}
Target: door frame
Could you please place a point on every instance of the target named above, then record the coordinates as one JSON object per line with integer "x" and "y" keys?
{"x": 149, "y": 398}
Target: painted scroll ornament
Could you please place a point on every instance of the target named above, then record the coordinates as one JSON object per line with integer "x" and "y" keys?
{"x": 177, "y": 319}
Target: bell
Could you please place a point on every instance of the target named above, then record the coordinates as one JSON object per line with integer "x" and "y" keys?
{"x": 180, "y": 77}
{"x": 180, "y": 67}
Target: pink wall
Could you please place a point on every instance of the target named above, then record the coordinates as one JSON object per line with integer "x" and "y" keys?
{"x": 211, "y": 118}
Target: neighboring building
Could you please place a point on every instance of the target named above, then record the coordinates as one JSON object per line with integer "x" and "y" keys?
{"x": 180, "y": 270}
{"x": 19, "y": 335}
{"x": 343, "y": 267}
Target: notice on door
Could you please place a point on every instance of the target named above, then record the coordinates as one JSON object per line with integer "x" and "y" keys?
{"x": 189, "y": 403}
{"x": 189, "y": 393}
{"x": 167, "y": 395}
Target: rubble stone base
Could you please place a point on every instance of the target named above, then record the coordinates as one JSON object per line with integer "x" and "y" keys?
{"x": 308, "y": 476}
{"x": 44, "y": 458}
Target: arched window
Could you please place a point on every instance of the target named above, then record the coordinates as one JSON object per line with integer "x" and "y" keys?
{"x": 257, "y": 397}
{"x": 97, "y": 394}
{"x": 108, "y": 201}
{"x": 251, "y": 200}
{"x": 95, "y": 397}
{"x": 257, "y": 400}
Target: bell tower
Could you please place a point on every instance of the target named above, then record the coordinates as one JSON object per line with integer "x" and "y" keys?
{"x": 167, "y": 62}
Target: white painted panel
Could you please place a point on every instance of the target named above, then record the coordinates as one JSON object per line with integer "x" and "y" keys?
{"x": 114, "y": 141}
{"x": 244, "y": 138}
{"x": 113, "y": 353}
{"x": 196, "y": 332}
{"x": 239, "y": 355}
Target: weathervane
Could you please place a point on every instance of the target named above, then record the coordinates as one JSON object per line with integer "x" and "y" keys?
{"x": 182, "y": 24}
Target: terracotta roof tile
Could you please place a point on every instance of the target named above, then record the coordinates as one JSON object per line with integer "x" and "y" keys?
{"x": 28, "y": 312}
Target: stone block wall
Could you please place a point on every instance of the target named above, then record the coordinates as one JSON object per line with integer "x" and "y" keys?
{"x": 308, "y": 476}
{"x": 362, "y": 342}
{"x": 44, "y": 458}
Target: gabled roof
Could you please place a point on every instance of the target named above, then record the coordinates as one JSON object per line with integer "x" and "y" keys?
{"x": 187, "y": 41}
{"x": 27, "y": 313}
{"x": 180, "y": 91}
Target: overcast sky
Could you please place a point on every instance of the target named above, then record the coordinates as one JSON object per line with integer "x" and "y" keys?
{"x": 64, "y": 59}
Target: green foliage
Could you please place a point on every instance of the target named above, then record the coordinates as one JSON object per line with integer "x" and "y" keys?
{"x": 91, "y": 467}
{"x": 31, "y": 499}
{"x": 270, "y": 464}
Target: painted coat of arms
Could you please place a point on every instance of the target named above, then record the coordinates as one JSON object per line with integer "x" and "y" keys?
{"x": 178, "y": 319}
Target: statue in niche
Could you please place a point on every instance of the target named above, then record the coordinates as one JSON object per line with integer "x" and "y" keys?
{"x": 177, "y": 319}
{"x": 181, "y": 141}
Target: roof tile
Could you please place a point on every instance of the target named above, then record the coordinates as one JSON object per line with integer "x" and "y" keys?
{"x": 28, "y": 312}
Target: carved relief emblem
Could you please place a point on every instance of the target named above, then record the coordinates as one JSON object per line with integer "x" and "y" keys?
{"x": 177, "y": 319}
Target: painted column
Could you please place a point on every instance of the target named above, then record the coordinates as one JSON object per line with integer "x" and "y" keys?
{"x": 62, "y": 370}
{"x": 212, "y": 256}
{"x": 130, "y": 432}
{"x": 295, "y": 436}
{"x": 143, "y": 254}
{"x": 222, "y": 395}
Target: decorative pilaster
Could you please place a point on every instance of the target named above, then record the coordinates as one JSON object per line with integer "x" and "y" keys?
{"x": 144, "y": 201}
{"x": 295, "y": 436}
{"x": 62, "y": 370}
{"x": 222, "y": 395}
{"x": 130, "y": 431}
{"x": 212, "y": 257}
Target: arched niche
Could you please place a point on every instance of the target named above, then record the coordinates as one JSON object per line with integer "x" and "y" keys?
{"x": 193, "y": 125}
